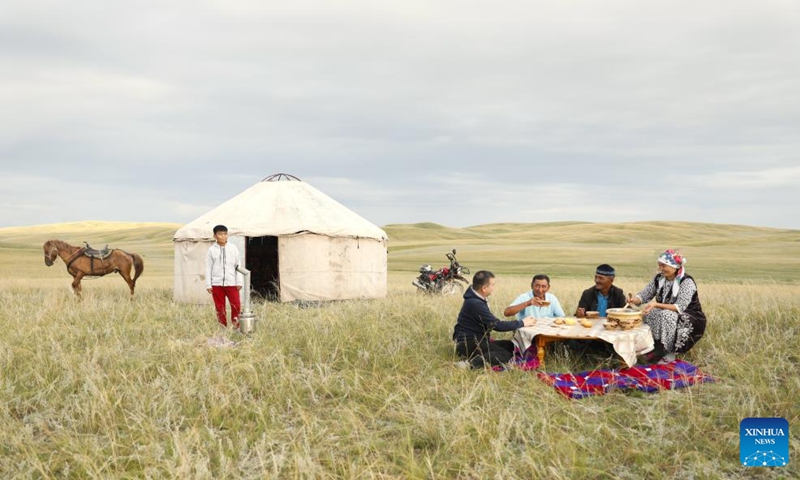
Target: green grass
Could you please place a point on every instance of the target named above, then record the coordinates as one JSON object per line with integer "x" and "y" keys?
{"x": 720, "y": 253}
{"x": 21, "y": 247}
{"x": 109, "y": 388}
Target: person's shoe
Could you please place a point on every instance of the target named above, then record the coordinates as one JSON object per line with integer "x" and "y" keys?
{"x": 667, "y": 359}
{"x": 477, "y": 363}
{"x": 649, "y": 358}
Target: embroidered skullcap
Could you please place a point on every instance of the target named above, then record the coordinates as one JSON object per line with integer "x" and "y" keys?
{"x": 605, "y": 269}
{"x": 675, "y": 260}
{"x": 672, "y": 258}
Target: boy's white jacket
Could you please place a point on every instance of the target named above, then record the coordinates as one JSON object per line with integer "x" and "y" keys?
{"x": 221, "y": 263}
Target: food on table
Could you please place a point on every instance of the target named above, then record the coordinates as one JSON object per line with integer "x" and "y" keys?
{"x": 624, "y": 318}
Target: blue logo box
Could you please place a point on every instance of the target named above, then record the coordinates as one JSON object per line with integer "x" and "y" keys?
{"x": 764, "y": 442}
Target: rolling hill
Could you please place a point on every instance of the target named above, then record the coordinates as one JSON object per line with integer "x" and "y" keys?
{"x": 716, "y": 252}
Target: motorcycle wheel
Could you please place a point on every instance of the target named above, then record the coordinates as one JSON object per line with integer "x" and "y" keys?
{"x": 451, "y": 288}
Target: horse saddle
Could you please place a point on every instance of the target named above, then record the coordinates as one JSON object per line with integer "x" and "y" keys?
{"x": 98, "y": 254}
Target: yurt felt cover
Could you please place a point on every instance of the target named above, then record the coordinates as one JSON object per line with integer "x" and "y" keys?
{"x": 281, "y": 208}
{"x": 326, "y": 251}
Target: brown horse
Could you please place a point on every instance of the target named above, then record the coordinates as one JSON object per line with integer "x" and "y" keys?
{"x": 79, "y": 264}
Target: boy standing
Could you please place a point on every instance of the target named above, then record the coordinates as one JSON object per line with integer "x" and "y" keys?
{"x": 222, "y": 280}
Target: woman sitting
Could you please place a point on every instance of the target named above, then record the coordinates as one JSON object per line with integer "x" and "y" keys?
{"x": 676, "y": 317}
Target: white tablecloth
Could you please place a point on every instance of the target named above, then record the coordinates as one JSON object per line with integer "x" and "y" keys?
{"x": 627, "y": 343}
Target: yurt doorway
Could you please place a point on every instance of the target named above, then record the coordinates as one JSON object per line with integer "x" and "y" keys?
{"x": 262, "y": 261}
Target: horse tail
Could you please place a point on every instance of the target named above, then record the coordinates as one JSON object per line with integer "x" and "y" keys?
{"x": 138, "y": 264}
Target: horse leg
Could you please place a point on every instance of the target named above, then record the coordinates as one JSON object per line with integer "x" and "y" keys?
{"x": 76, "y": 284}
{"x": 127, "y": 277}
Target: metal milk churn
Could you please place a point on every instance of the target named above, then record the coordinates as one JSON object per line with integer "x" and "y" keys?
{"x": 247, "y": 320}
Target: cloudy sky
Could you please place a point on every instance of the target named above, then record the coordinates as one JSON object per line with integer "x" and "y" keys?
{"x": 456, "y": 112}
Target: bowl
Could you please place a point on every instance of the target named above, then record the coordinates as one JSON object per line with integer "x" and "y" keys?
{"x": 611, "y": 325}
{"x": 624, "y": 318}
{"x": 592, "y": 314}
{"x": 624, "y": 313}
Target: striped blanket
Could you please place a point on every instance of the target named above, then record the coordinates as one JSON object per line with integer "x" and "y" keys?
{"x": 646, "y": 378}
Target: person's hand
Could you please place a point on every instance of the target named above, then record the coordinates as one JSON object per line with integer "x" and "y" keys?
{"x": 536, "y": 302}
{"x": 238, "y": 287}
{"x": 647, "y": 308}
{"x": 208, "y": 290}
{"x": 634, "y": 300}
{"x": 580, "y": 312}
{"x": 528, "y": 321}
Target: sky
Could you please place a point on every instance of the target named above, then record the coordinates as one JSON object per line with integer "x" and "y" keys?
{"x": 455, "y": 112}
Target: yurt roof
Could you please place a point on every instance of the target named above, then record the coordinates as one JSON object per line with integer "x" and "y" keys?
{"x": 273, "y": 208}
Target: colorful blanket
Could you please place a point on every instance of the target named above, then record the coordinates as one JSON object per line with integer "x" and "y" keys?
{"x": 646, "y": 378}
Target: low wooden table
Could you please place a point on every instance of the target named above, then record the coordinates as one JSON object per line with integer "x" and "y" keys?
{"x": 627, "y": 343}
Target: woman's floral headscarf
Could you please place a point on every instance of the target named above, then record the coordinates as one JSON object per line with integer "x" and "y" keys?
{"x": 675, "y": 260}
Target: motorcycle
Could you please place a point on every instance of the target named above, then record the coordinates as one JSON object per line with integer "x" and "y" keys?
{"x": 445, "y": 281}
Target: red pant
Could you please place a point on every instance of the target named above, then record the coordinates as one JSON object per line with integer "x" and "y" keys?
{"x": 232, "y": 293}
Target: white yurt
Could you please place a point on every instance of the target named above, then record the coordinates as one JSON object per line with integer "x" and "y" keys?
{"x": 297, "y": 242}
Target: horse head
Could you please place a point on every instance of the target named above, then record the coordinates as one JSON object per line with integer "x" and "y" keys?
{"x": 50, "y": 253}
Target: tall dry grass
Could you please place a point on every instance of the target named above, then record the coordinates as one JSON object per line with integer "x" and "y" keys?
{"x": 108, "y": 388}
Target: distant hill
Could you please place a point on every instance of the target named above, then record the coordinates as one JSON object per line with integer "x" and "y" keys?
{"x": 584, "y": 232}
{"x": 715, "y": 251}
{"x": 153, "y": 241}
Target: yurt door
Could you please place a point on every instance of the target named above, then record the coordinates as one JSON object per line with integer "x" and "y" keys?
{"x": 262, "y": 261}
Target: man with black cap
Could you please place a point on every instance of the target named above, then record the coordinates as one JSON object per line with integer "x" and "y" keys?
{"x": 603, "y": 295}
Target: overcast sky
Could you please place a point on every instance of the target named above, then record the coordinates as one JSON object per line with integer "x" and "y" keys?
{"x": 454, "y": 112}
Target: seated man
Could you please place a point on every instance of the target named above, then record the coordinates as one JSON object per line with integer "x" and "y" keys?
{"x": 537, "y": 303}
{"x": 472, "y": 332}
{"x": 603, "y": 295}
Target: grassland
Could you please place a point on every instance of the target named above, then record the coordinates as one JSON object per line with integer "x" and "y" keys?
{"x": 718, "y": 253}
{"x": 21, "y": 254}
{"x": 108, "y": 388}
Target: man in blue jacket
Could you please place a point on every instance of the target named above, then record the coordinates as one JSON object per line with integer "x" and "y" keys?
{"x": 472, "y": 333}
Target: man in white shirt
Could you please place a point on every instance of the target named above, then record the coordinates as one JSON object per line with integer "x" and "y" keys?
{"x": 222, "y": 280}
{"x": 537, "y": 303}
